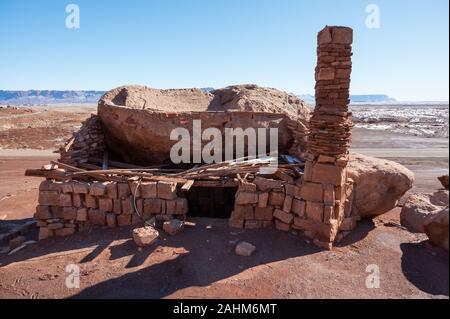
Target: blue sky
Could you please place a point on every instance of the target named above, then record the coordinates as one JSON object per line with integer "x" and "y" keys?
{"x": 215, "y": 43}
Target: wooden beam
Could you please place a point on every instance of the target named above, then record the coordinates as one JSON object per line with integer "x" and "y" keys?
{"x": 52, "y": 174}
{"x": 187, "y": 186}
{"x": 67, "y": 167}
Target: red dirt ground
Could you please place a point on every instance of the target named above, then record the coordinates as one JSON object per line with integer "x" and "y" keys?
{"x": 200, "y": 262}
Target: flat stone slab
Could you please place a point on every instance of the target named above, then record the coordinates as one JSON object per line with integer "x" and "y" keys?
{"x": 245, "y": 249}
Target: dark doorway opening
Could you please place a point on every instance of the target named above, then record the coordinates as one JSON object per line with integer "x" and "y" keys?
{"x": 212, "y": 202}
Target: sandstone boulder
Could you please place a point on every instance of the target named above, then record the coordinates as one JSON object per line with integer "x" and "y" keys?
{"x": 379, "y": 184}
{"x": 138, "y": 121}
{"x": 437, "y": 229}
{"x": 250, "y": 97}
{"x": 420, "y": 208}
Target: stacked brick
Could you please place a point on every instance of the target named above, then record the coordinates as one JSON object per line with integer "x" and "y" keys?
{"x": 67, "y": 207}
{"x": 326, "y": 188}
{"x": 319, "y": 205}
{"x": 331, "y": 124}
{"x": 266, "y": 202}
{"x": 88, "y": 141}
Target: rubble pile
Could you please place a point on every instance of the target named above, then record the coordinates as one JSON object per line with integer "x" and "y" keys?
{"x": 88, "y": 142}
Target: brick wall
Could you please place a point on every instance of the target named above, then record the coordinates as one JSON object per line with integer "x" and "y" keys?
{"x": 67, "y": 207}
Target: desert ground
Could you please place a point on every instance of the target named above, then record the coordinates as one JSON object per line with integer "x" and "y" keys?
{"x": 200, "y": 262}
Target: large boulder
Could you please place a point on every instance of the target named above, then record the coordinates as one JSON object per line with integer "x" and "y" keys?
{"x": 420, "y": 208}
{"x": 138, "y": 121}
{"x": 379, "y": 184}
{"x": 437, "y": 229}
{"x": 250, "y": 97}
{"x": 138, "y": 97}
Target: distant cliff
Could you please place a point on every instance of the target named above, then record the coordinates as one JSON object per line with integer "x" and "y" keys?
{"x": 368, "y": 98}
{"x": 36, "y": 97}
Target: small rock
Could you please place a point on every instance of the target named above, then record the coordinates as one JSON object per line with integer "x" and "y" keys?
{"x": 46, "y": 277}
{"x": 444, "y": 181}
{"x": 173, "y": 227}
{"x": 245, "y": 249}
{"x": 160, "y": 220}
{"x": 16, "y": 242}
{"x": 145, "y": 236}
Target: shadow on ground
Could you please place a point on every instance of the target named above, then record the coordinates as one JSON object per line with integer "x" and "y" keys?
{"x": 208, "y": 259}
{"x": 201, "y": 256}
{"x": 430, "y": 276}
{"x": 11, "y": 228}
{"x": 205, "y": 256}
{"x": 198, "y": 257}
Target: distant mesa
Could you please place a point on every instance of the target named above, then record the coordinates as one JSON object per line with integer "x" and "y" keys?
{"x": 36, "y": 97}
{"x": 375, "y": 98}
{"x": 367, "y": 98}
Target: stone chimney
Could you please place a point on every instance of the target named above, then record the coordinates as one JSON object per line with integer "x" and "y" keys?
{"x": 329, "y": 139}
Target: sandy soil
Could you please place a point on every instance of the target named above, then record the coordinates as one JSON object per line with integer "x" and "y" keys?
{"x": 18, "y": 193}
{"x": 370, "y": 139}
{"x": 200, "y": 262}
{"x": 40, "y": 127}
